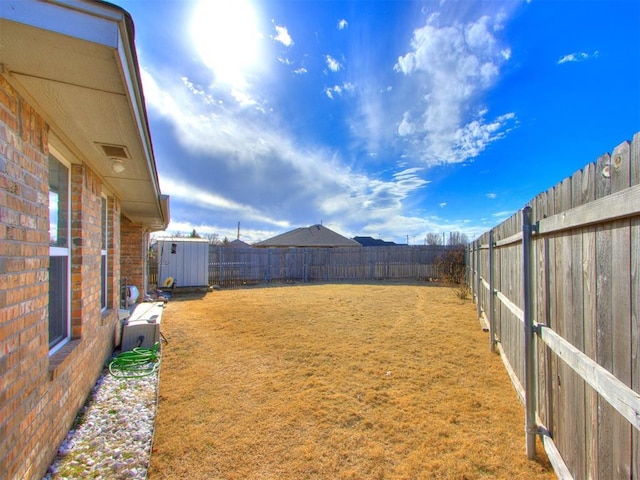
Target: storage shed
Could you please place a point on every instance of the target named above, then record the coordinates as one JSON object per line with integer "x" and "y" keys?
{"x": 185, "y": 260}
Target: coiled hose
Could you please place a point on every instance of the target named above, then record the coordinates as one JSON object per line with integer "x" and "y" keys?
{"x": 139, "y": 362}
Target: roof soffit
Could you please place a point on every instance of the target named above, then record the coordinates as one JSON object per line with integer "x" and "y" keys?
{"x": 74, "y": 64}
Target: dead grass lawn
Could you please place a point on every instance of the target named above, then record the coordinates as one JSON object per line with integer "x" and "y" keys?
{"x": 335, "y": 382}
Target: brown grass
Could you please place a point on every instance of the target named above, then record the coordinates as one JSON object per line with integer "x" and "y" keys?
{"x": 335, "y": 382}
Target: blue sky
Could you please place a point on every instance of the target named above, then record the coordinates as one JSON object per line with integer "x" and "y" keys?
{"x": 390, "y": 119}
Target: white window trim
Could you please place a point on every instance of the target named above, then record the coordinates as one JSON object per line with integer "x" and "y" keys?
{"x": 104, "y": 252}
{"x": 64, "y": 251}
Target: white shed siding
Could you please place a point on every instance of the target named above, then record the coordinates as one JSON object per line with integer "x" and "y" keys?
{"x": 186, "y": 260}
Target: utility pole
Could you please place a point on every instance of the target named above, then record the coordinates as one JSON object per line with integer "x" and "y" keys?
{"x": 238, "y": 230}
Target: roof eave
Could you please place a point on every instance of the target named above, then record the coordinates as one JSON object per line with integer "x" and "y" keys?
{"x": 75, "y": 62}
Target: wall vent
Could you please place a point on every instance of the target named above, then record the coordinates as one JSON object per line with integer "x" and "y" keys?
{"x": 114, "y": 151}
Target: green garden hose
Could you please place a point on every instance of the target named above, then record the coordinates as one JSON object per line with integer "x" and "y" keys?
{"x": 139, "y": 362}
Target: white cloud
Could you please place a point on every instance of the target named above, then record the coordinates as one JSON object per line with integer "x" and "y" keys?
{"x": 283, "y": 36}
{"x": 368, "y": 198}
{"x": 333, "y": 64}
{"x": 243, "y": 98}
{"x": 577, "y": 57}
{"x": 452, "y": 66}
{"x": 406, "y": 126}
{"x": 234, "y": 162}
{"x": 195, "y": 196}
{"x": 342, "y": 24}
{"x": 442, "y": 204}
{"x": 339, "y": 89}
{"x": 300, "y": 71}
{"x": 492, "y": 195}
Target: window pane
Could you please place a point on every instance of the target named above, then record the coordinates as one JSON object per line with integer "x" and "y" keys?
{"x": 59, "y": 253}
{"x": 103, "y": 280}
{"x": 104, "y": 223}
{"x": 103, "y": 260}
{"x": 58, "y": 203}
{"x": 58, "y": 308}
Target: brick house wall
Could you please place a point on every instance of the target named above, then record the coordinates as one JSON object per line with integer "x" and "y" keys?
{"x": 134, "y": 240}
{"x": 40, "y": 394}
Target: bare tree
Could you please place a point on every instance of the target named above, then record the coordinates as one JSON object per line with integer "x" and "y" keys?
{"x": 453, "y": 271}
{"x": 214, "y": 238}
{"x": 458, "y": 238}
{"x": 433, "y": 239}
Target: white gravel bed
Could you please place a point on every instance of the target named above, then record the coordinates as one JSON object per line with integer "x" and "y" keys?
{"x": 112, "y": 435}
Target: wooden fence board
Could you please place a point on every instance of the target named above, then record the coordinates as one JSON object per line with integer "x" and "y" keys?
{"x": 604, "y": 345}
{"x": 569, "y": 326}
{"x": 561, "y": 434}
{"x": 635, "y": 301}
{"x": 545, "y": 381}
{"x": 575, "y": 331}
{"x": 553, "y": 310}
{"x": 497, "y": 284}
{"x": 589, "y": 323}
{"x": 621, "y": 309}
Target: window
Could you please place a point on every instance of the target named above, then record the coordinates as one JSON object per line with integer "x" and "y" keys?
{"x": 104, "y": 291}
{"x": 59, "y": 254}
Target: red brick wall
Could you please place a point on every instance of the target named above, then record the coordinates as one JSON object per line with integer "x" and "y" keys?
{"x": 24, "y": 259}
{"x": 132, "y": 267}
{"x": 86, "y": 241}
{"x": 41, "y": 394}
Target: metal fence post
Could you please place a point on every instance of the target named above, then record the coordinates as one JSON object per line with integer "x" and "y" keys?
{"x": 529, "y": 350}
{"x": 467, "y": 264}
{"x": 492, "y": 326}
{"x": 472, "y": 270}
{"x": 478, "y": 298}
{"x": 221, "y": 266}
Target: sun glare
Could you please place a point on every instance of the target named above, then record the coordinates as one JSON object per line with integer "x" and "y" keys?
{"x": 227, "y": 38}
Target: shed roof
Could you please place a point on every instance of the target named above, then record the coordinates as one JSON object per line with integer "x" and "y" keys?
{"x": 182, "y": 239}
{"x": 313, "y": 236}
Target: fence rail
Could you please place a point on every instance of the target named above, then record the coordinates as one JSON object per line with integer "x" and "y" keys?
{"x": 559, "y": 285}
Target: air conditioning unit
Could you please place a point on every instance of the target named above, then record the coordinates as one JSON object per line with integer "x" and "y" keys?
{"x": 142, "y": 328}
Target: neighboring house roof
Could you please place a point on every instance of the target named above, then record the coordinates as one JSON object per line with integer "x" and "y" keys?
{"x": 373, "y": 242}
{"x": 75, "y": 62}
{"x": 313, "y": 236}
{"x": 237, "y": 243}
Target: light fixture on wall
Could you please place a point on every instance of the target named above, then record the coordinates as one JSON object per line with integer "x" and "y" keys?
{"x": 117, "y": 165}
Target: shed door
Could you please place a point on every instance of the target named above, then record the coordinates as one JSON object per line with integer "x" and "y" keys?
{"x": 186, "y": 262}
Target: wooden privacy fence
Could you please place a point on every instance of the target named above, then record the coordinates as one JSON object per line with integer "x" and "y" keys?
{"x": 234, "y": 267}
{"x": 558, "y": 284}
